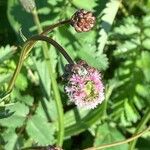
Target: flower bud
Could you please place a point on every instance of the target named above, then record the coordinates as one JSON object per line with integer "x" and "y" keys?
{"x": 28, "y": 5}
{"x": 84, "y": 85}
{"x": 83, "y": 21}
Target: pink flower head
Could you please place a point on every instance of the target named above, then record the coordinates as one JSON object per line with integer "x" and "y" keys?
{"x": 84, "y": 86}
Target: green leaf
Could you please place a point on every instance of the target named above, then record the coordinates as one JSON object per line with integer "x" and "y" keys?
{"x": 130, "y": 113}
{"x": 4, "y": 78}
{"x": 143, "y": 91}
{"x": 47, "y": 110}
{"x": 82, "y": 122}
{"x": 108, "y": 17}
{"x": 106, "y": 134}
{"x": 26, "y": 99}
{"x": 144, "y": 64}
{"x": 6, "y": 52}
{"x": 17, "y": 20}
{"x": 84, "y": 5}
{"x": 146, "y": 44}
{"x": 40, "y": 130}
{"x": 21, "y": 82}
{"x": 18, "y": 113}
{"x": 100, "y": 62}
{"x": 11, "y": 139}
{"x": 42, "y": 71}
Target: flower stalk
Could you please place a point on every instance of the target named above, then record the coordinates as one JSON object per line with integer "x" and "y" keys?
{"x": 26, "y": 49}
{"x": 24, "y": 53}
{"x": 85, "y": 23}
{"x": 140, "y": 126}
{"x": 120, "y": 142}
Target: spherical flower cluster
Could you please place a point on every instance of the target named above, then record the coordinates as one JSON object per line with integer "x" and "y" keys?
{"x": 84, "y": 86}
{"x": 83, "y": 21}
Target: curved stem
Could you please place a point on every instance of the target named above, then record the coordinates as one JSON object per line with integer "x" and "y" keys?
{"x": 140, "y": 126}
{"x": 120, "y": 142}
{"x": 54, "y": 84}
{"x": 51, "y": 27}
{"x": 26, "y": 49}
{"x": 31, "y": 44}
{"x": 55, "y": 44}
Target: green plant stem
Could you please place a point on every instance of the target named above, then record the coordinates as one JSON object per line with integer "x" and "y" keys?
{"x": 26, "y": 48}
{"x": 44, "y": 45}
{"x": 120, "y": 142}
{"x": 54, "y": 83}
{"x": 140, "y": 126}
{"x": 51, "y": 27}
{"x": 55, "y": 44}
{"x": 25, "y": 51}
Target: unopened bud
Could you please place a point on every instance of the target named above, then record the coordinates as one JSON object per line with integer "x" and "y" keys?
{"x": 83, "y": 20}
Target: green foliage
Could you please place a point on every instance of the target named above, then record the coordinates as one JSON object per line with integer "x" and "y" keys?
{"x": 108, "y": 15}
{"x": 40, "y": 131}
{"x": 133, "y": 75}
{"x": 107, "y": 134}
{"x": 118, "y": 46}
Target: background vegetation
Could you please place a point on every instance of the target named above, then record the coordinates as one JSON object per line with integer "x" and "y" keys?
{"x": 121, "y": 51}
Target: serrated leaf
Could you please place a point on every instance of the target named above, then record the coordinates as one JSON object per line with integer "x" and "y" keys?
{"x": 40, "y": 130}
{"x": 18, "y": 113}
{"x": 143, "y": 91}
{"x": 108, "y": 17}
{"x": 26, "y": 99}
{"x": 100, "y": 62}
{"x": 129, "y": 112}
{"x": 47, "y": 110}
{"x": 11, "y": 139}
{"x": 6, "y": 52}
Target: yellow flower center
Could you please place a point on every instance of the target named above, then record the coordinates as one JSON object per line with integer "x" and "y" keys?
{"x": 90, "y": 91}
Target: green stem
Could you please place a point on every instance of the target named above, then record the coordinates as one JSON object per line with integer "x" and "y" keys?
{"x": 27, "y": 47}
{"x": 50, "y": 28}
{"x": 55, "y": 44}
{"x": 44, "y": 45}
{"x": 140, "y": 126}
{"x": 25, "y": 51}
{"x": 54, "y": 83}
{"x": 120, "y": 142}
